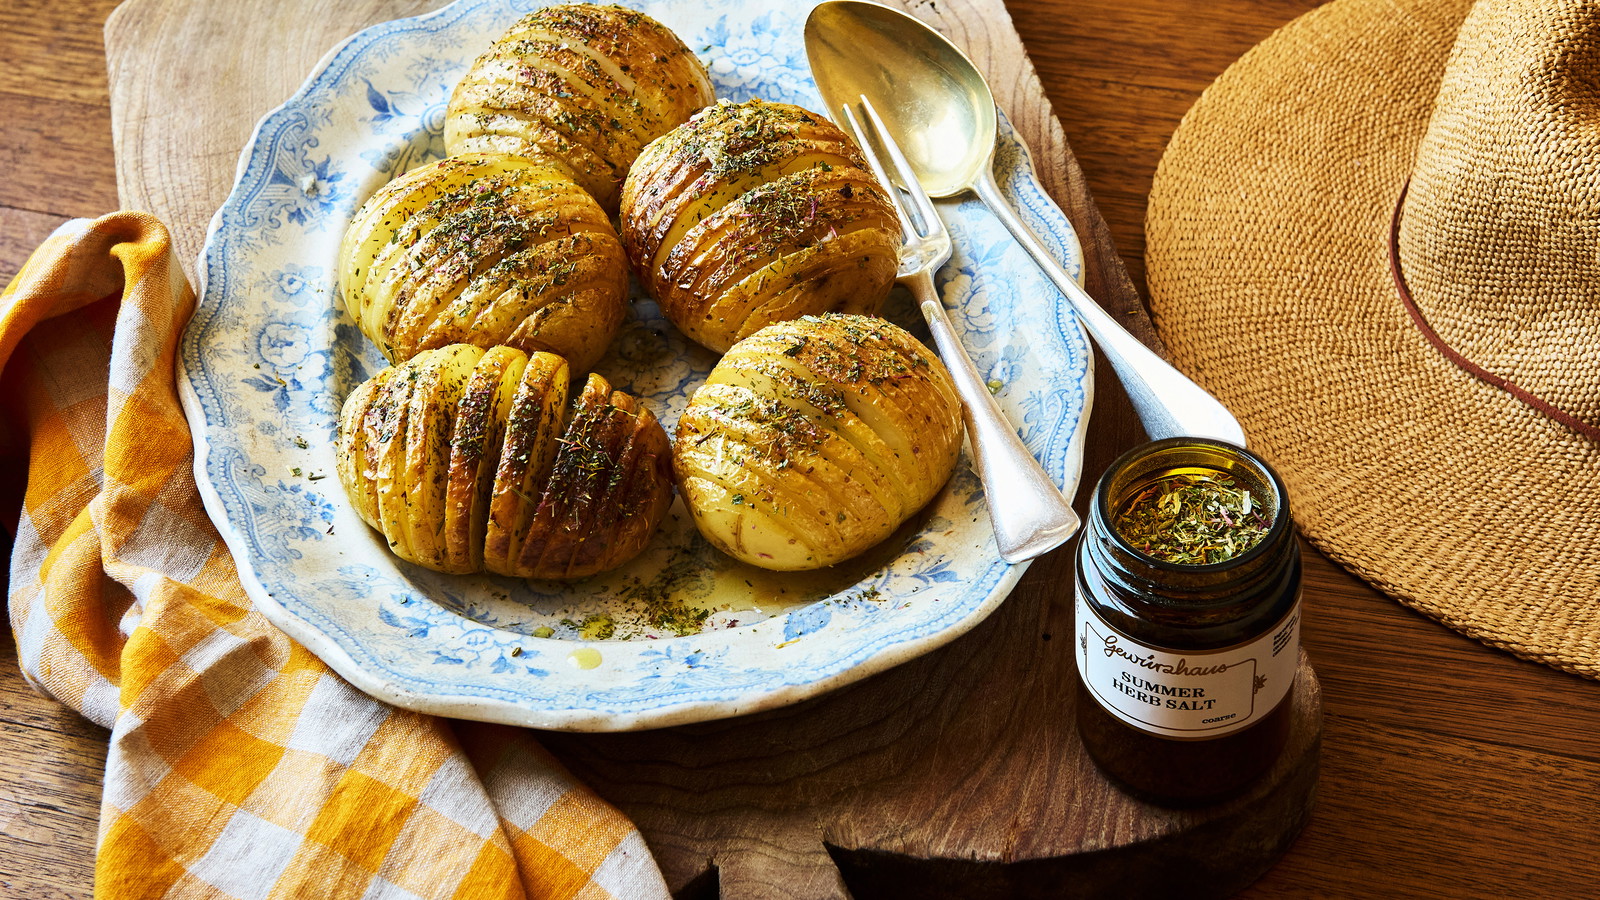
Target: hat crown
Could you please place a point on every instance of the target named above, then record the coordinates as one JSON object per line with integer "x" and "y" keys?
{"x": 1500, "y": 239}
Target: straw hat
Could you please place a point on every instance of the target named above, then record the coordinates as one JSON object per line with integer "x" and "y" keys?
{"x": 1450, "y": 453}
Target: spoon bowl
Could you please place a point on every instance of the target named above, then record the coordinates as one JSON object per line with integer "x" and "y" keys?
{"x": 928, "y": 93}
{"x": 940, "y": 110}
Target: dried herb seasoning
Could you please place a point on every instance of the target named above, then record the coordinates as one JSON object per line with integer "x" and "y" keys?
{"x": 1187, "y": 621}
{"x": 1193, "y": 518}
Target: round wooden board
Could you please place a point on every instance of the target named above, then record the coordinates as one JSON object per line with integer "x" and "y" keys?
{"x": 958, "y": 775}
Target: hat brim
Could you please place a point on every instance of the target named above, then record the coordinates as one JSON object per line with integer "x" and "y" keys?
{"x": 1269, "y": 282}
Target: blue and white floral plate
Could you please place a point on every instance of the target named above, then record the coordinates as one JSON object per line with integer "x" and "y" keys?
{"x": 270, "y": 357}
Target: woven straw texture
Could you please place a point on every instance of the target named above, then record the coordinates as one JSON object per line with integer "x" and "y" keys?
{"x": 1270, "y": 282}
{"x": 239, "y": 765}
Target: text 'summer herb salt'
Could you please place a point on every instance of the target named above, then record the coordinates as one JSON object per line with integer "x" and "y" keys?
{"x": 1188, "y": 620}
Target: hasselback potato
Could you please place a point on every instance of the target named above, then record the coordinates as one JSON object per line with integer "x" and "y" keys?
{"x": 812, "y": 440}
{"x": 754, "y": 213}
{"x": 486, "y": 249}
{"x": 585, "y": 86}
{"x": 469, "y": 460}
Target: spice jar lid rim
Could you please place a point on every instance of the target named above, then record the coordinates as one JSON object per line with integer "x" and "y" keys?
{"x": 1280, "y": 520}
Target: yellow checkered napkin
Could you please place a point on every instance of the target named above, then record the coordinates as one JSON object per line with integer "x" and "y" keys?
{"x": 240, "y": 766}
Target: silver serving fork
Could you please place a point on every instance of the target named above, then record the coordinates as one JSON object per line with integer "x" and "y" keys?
{"x": 1029, "y": 513}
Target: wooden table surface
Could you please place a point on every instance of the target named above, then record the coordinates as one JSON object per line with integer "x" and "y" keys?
{"x": 1449, "y": 770}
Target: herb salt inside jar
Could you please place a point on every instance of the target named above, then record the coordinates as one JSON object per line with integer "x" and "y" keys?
{"x": 1188, "y": 620}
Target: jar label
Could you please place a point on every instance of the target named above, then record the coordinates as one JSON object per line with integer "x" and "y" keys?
{"x": 1187, "y": 694}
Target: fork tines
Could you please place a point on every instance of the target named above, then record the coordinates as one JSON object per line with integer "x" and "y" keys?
{"x": 922, "y": 221}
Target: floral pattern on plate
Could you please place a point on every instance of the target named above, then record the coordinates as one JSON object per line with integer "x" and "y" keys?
{"x": 680, "y": 634}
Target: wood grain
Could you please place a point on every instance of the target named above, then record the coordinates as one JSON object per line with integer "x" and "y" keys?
{"x": 49, "y": 795}
{"x": 53, "y": 93}
{"x": 1449, "y": 770}
{"x": 21, "y": 230}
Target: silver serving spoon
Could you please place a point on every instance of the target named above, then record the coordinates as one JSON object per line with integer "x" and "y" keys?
{"x": 1029, "y": 513}
{"x": 941, "y": 111}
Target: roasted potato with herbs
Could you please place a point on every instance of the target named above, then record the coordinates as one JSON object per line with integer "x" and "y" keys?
{"x": 812, "y": 440}
{"x": 585, "y": 86}
{"x": 468, "y": 460}
{"x": 756, "y": 213}
{"x": 486, "y": 249}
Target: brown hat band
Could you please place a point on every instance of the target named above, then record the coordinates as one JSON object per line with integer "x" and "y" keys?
{"x": 1556, "y": 413}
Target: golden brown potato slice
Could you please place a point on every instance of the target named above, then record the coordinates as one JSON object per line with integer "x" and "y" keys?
{"x": 533, "y": 425}
{"x": 351, "y": 448}
{"x": 387, "y": 438}
{"x": 585, "y": 86}
{"x": 435, "y": 401}
{"x": 474, "y": 453}
{"x": 484, "y": 249}
{"x": 812, "y": 440}
{"x": 755, "y": 213}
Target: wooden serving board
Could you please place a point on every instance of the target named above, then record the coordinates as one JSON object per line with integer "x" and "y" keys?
{"x": 958, "y": 774}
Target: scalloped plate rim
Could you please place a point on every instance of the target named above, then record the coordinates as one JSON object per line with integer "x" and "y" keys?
{"x": 381, "y": 683}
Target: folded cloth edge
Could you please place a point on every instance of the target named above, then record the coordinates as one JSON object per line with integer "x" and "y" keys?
{"x": 239, "y": 764}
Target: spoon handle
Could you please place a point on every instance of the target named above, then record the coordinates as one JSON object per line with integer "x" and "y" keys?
{"x": 1167, "y": 402}
{"x": 1029, "y": 513}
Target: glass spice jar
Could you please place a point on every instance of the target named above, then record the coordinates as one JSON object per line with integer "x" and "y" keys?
{"x": 1188, "y": 620}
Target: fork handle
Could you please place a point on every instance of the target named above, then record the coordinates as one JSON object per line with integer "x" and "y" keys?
{"x": 1029, "y": 514}
{"x": 1167, "y": 402}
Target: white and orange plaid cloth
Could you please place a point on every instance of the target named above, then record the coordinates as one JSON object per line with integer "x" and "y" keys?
{"x": 239, "y": 765}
